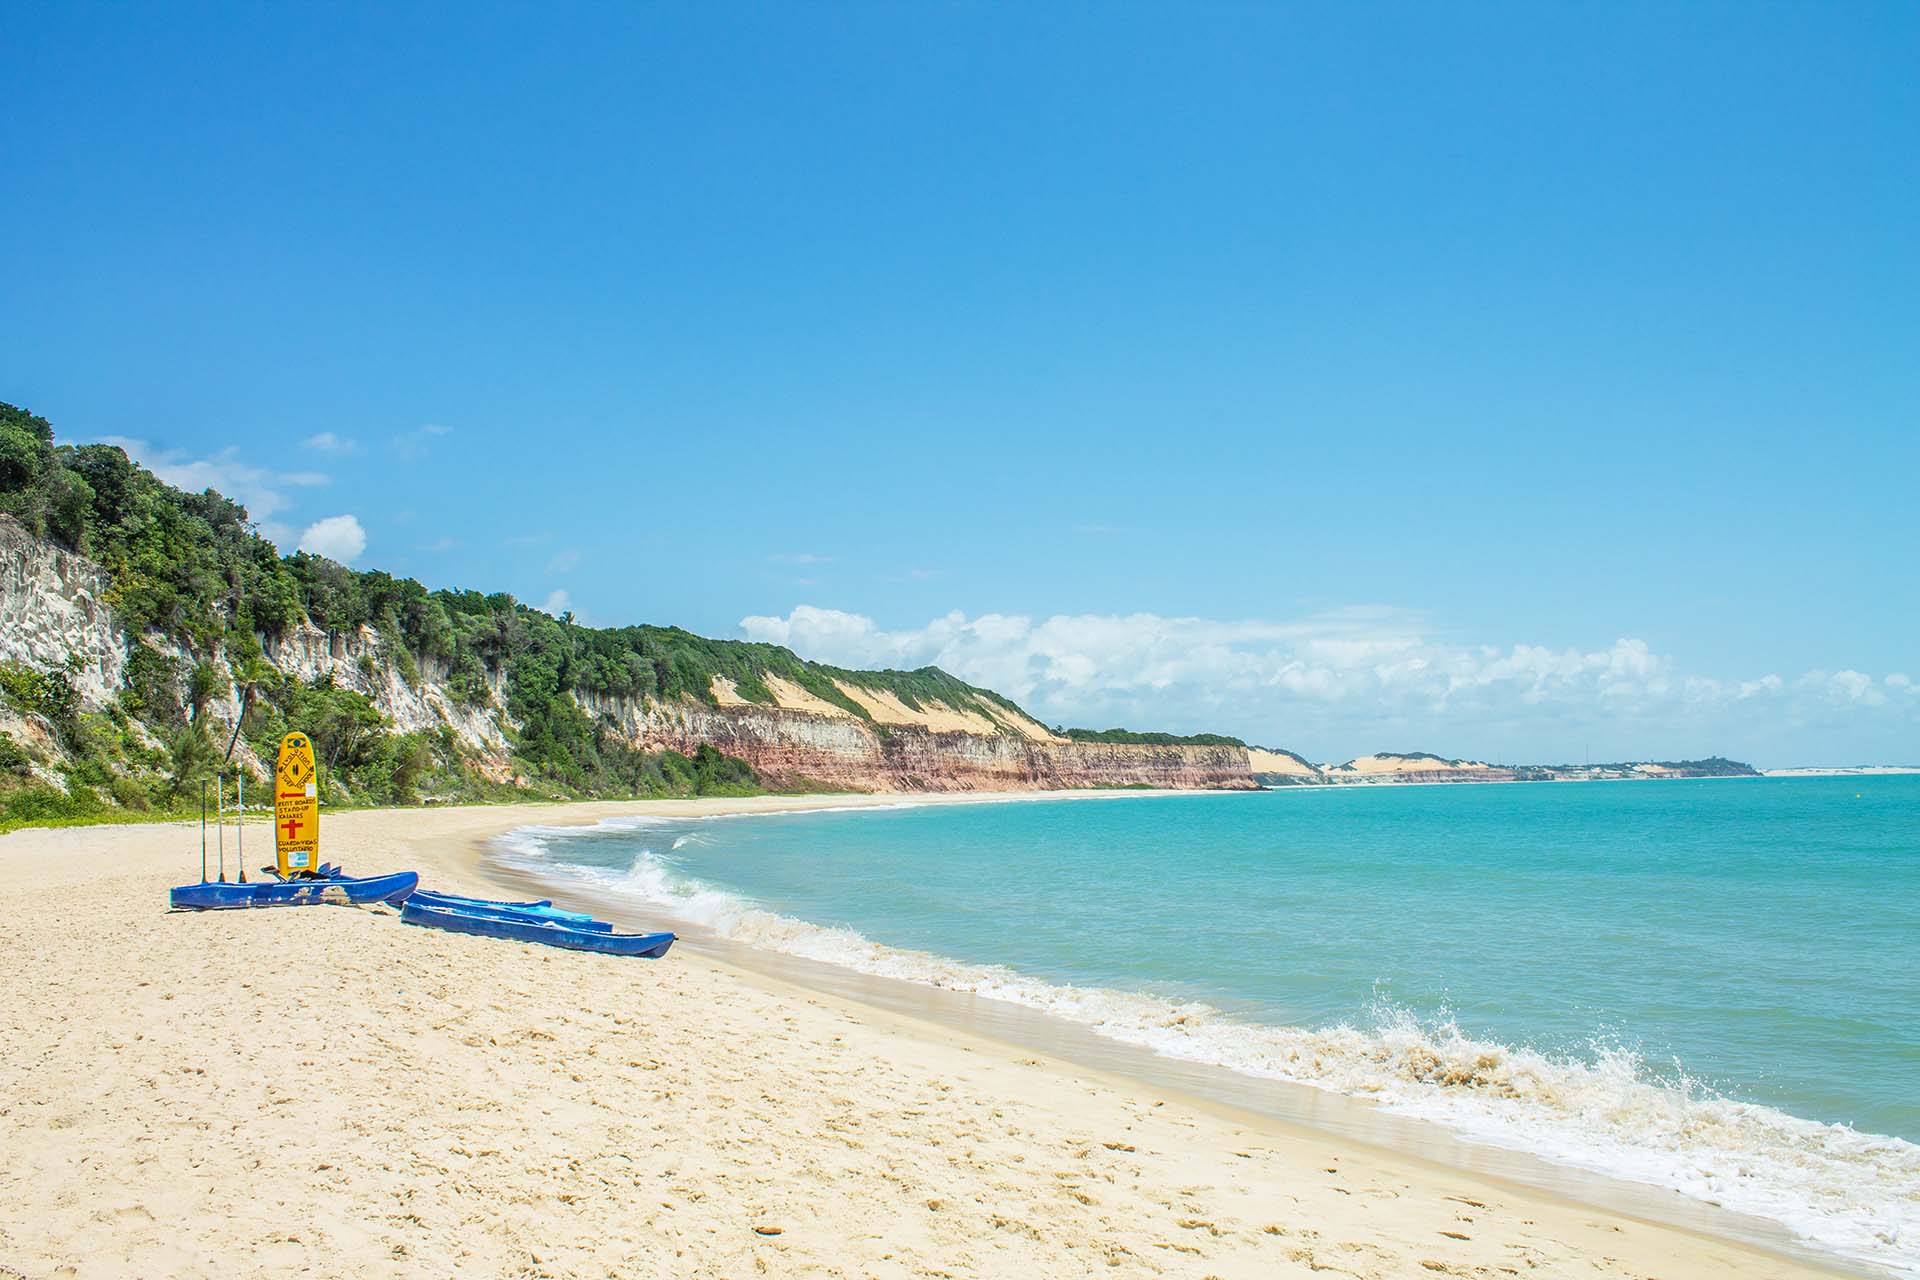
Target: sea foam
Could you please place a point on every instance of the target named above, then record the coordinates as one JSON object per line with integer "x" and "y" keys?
{"x": 1856, "y": 1194}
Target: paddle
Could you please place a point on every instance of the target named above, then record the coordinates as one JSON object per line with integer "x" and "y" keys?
{"x": 240, "y": 779}
{"x": 240, "y": 822}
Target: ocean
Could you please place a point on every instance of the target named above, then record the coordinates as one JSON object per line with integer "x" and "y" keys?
{"x": 1708, "y": 986}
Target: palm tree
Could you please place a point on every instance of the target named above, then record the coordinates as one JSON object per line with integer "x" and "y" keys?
{"x": 248, "y": 675}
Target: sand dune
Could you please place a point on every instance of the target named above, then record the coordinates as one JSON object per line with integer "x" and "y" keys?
{"x": 886, "y": 708}
{"x": 791, "y": 696}
{"x": 1389, "y": 763}
{"x": 1261, "y": 760}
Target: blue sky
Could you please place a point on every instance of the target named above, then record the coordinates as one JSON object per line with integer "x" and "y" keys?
{"x": 1347, "y": 377}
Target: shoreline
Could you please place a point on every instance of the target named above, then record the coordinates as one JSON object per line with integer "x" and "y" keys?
{"x": 191, "y": 1090}
{"x": 1300, "y": 1109}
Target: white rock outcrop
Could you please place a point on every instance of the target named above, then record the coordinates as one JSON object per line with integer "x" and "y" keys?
{"x": 54, "y": 614}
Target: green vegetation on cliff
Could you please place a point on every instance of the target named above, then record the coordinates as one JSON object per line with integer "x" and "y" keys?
{"x": 1150, "y": 739}
{"x": 187, "y": 569}
{"x": 1711, "y": 767}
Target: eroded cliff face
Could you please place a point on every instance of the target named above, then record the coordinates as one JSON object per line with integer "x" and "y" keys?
{"x": 360, "y": 661}
{"x": 789, "y": 746}
{"x": 55, "y": 613}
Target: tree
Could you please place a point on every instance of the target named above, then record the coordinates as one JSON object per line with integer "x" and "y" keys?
{"x": 69, "y": 508}
{"x": 31, "y": 424}
{"x": 206, "y": 683}
{"x": 20, "y": 458}
{"x": 26, "y": 446}
{"x": 250, "y": 674}
{"x": 192, "y": 759}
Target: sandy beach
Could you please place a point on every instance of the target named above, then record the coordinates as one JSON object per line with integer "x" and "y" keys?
{"x": 323, "y": 1092}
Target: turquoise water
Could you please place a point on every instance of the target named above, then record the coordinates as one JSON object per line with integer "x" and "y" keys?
{"x": 1705, "y": 985}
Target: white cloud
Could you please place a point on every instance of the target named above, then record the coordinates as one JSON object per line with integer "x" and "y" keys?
{"x": 799, "y": 557}
{"x": 1347, "y": 680}
{"x": 563, "y": 561}
{"x": 328, "y": 442}
{"x": 418, "y": 442}
{"x": 335, "y": 537}
{"x": 556, "y": 603}
{"x": 1843, "y": 687}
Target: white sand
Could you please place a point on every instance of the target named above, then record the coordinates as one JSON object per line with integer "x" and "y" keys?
{"x": 934, "y": 715}
{"x": 1260, "y": 760}
{"x": 1391, "y": 764}
{"x": 726, "y": 693}
{"x": 984, "y": 719}
{"x": 1025, "y": 726}
{"x": 792, "y": 697}
{"x": 325, "y": 1092}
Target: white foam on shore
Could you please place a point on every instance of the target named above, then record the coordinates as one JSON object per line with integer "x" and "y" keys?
{"x": 1856, "y": 1194}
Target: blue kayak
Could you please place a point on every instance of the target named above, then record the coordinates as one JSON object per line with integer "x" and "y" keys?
{"x": 544, "y": 910}
{"x": 455, "y": 899}
{"x": 537, "y": 906}
{"x": 525, "y": 928}
{"x": 347, "y": 892}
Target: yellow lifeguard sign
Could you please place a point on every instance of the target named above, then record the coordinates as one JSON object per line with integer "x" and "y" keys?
{"x": 296, "y": 807}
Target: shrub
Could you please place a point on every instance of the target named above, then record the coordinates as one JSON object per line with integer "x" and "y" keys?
{"x": 14, "y": 758}
{"x": 129, "y": 794}
{"x": 43, "y": 693}
{"x": 41, "y": 804}
{"x": 152, "y": 687}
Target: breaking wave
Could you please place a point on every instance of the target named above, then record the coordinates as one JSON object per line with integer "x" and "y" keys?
{"x": 1856, "y": 1194}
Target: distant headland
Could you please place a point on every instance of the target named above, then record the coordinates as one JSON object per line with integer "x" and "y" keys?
{"x": 1276, "y": 767}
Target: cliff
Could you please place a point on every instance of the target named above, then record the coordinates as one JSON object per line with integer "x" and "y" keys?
{"x": 56, "y": 615}
{"x": 53, "y": 609}
{"x": 789, "y": 745}
{"x": 1278, "y": 767}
